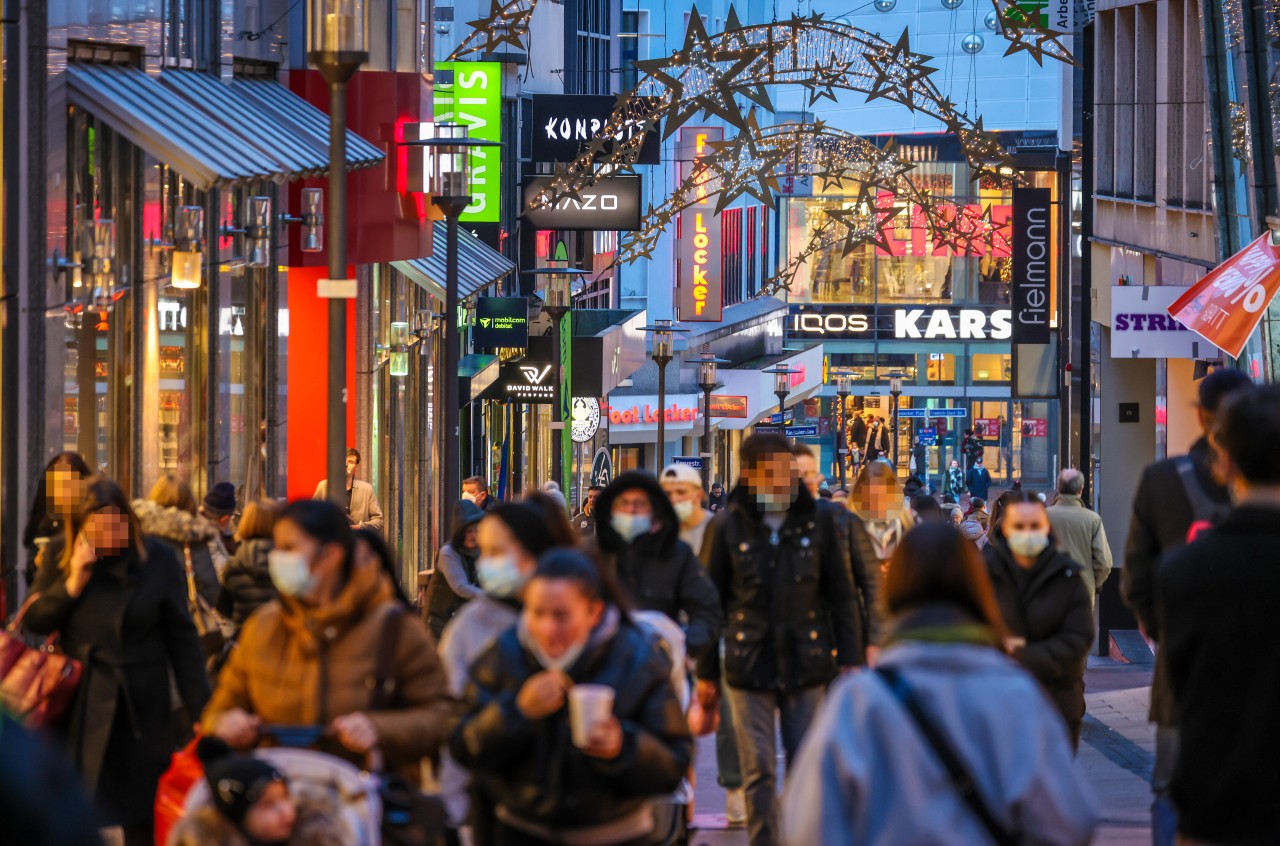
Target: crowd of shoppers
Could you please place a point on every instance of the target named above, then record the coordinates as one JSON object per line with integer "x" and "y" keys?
{"x": 907, "y": 666}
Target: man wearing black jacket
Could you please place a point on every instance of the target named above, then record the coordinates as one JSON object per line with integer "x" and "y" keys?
{"x": 1216, "y": 605}
{"x": 782, "y": 570}
{"x": 1172, "y": 495}
{"x": 638, "y": 535}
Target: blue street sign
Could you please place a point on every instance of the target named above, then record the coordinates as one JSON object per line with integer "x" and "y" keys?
{"x": 693, "y": 461}
{"x": 802, "y": 431}
{"x": 948, "y": 412}
{"x": 768, "y": 430}
{"x": 778, "y": 418}
{"x": 906, "y": 413}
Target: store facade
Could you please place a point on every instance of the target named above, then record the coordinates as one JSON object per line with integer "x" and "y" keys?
{"x": 940, "y": 317}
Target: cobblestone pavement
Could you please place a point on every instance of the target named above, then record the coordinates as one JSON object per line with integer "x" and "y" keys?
{"x": 1116, "y": 749}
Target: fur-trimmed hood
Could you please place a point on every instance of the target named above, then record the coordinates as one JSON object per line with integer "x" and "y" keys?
{"x": 319, "y": 823}
{"x": 173, "y": 524}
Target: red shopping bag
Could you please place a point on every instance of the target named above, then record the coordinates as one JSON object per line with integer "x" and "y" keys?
{"x": 184, "y": 771}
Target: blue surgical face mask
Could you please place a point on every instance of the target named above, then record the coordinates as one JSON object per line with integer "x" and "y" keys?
{"x": 290, "y": 572}
{"x": 630, "y": 526}
{"x": 499, "y": 575}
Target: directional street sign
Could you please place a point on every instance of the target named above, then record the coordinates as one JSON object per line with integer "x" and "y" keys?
{"x": 802, "y": 431}
{"x": 920, "y": 413}
{"x": 928, "y": 437}
{"x": 905, "y": 413}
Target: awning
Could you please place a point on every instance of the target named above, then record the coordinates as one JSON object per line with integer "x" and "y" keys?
{"x": 291, "y": 110}
{"x": 205, "y": 130}
{"x": 476, "y": 373}
{"x": 479, "y": 265}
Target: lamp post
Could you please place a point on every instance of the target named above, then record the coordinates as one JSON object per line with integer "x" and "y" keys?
{"x": 663, "y": 350}
{"x": 557, "y": 302}
{"x": 781, "y": 388}
{"x": 842, "y": 448}
{"x": 895, "y": 391}
{"x": 338, "y": 44}
{"x": 708, "y": 371}
{"x": 449, "y": 183}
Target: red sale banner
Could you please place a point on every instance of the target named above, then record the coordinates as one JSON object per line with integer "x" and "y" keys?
{"x": 1227, "y": 304}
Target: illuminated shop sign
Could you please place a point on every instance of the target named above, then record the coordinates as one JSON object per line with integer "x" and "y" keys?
{"x": 647, "y": 413}
{"x": 528, "y": 381}
{"x": 724, "y": 405}
{"x": 701, "y": 285}
{"x": 1032, "y": 265}
{"x": 612, "y": 202}
{"x": 565, "y": 123}
{"x": 501, "y": 322}
{"x": 888, "y": 323}
{"x": 470, "y": 93}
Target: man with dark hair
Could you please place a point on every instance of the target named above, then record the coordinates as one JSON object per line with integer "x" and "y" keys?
{"x": 782, "y": 570}
{"x": 1172, "y": 496}
{"x": 476, "y": 489}
{"x": 1216, "y": 607}
{"x": 584, "y": 522}
{"x": 1079, "y": 532}
{"x": 363, "y": 511}
{"x": 219, "y": 507}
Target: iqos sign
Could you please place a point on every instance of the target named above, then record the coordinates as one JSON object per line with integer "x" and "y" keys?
{"x": 904, "y": 323}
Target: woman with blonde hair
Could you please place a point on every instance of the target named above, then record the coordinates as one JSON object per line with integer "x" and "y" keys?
{"x": 119, "y": 606}
{"x": 170, "y": 514}
{"x": 246, "y": 580}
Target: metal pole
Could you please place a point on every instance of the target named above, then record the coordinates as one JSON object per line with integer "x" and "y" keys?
{"x": 893, "y": 436}
{"x": 557, "y": 408}
{"x": 706, "y": 438}
{"x": 336, "y": 465}
{"x": 842, "y": 447}
{"x": 449, "y": 381}
{"x": 662, "y": 416}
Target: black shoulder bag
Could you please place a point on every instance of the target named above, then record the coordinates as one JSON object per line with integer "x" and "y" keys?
{"x": 957, "y": 772}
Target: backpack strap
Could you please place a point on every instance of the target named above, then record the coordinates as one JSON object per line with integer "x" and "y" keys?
{"x": 957, "y": 772}
{"x": 384, "y": 683}
{"x": 1203, "y": 507}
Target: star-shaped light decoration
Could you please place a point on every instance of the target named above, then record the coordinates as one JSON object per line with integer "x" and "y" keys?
{"x": 1027, "y": 35}
{"x": 901, "y": 75}
{"x": 748, "y": 164}
{"x": 865, "y": 221}
{"x": 505, "y": 24}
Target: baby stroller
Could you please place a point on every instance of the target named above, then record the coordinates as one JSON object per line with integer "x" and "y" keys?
{"x": 318, "y": 776}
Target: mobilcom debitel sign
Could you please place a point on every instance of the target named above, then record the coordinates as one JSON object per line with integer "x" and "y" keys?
{"x": 470, "y": 93}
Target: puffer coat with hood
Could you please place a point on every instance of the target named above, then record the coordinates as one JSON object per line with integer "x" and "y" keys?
{"x": 246, "y": 581}
{"x": 1048, "y": 606}
{"x": 187, "y": 533}
{"x": 658, "y": 570}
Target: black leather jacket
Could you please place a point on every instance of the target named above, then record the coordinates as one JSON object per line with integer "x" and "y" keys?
{"x": 792, "y": 616}
{"x": 531, "y": 768}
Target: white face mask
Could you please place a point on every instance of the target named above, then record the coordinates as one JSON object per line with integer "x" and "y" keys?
{"x": 1028, "y": 544}
{"x": 630, "y": 526}
{"x": 684, "y": 510}
{"x": 563, "y": 662}
{"x": 469, "y": 497}
{"x": 290, "y": 572}
{"x": 499, "y": 575}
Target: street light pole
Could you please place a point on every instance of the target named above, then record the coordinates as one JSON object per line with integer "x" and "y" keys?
{"x": 662, "y": 353}
{"x": 557, "y": 302}
{"x": 708, "y": 373}
{"x": 842, "y": 449}
{"x": 895, "y": 390}
{"x": 337, "y": 44}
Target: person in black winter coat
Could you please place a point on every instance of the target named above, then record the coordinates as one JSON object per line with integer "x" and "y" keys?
{"x": 1045, "y": 604}
{"x": 246, "y": 580}
{"x": 58, "y": 493}
{"x": 119, "y": 606}
{"x": 1216, "y": 605}
{"x": 454, "y": 583}
{"x": 782, "y": 568}
{"x": 515, "y": 734}
{"x": 42, "y": 801}
{"x": 638, "y": 539}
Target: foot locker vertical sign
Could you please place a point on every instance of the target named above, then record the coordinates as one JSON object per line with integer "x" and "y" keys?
{"x": 699, "y": 279}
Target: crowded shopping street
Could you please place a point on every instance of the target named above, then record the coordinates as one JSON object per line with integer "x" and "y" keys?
{"x": 637, "y": 423}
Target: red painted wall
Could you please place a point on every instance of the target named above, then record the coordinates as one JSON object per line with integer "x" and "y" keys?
{"x": 308, "y": 373}
{"x": 385, "y": 222}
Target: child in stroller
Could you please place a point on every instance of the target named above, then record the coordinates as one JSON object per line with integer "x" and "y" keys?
{"x": 277, "y": 796}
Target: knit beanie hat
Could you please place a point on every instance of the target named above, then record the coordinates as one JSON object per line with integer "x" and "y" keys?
{"x": 236, "y": 782}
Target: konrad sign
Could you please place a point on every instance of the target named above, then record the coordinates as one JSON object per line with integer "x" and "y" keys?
{"x": 563, "y": 124}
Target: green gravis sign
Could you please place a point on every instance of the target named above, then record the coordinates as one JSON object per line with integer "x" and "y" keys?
{"x": 470, "y": 93}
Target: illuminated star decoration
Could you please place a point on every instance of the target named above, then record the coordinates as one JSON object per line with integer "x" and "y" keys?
{"x": 747, "y": 164}
{"x": 506, "y": 24}
{"x": 900, "y": 74}
{"x": 1029, "y": 35}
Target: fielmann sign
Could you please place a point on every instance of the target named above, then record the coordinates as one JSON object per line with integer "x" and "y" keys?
{"x": 701, "y": 283}
{"x": 1032, "y": 265}
{"x": 470, "y": 93}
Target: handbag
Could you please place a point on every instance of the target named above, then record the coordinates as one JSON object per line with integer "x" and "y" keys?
{"x": 409, "y": 816}
{"x": 963, "y": 783}
{"x": 184, "y": 771}
{"x": 37, "y": 684}
{"x": 206, "y": 619}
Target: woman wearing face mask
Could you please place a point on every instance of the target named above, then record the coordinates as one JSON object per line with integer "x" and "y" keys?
{"x": 955, "y": 479}
{"x": 638, "y": 540}
{"x": 545, "y": 785}
{"x": 58, "y": 493}
{"x": 1044, "y": 601}
{"x": 119, "y": 605}
{"x": 453, "y": 584}
{"x": 509, "y": 540}
{"x": 311, "y": 657}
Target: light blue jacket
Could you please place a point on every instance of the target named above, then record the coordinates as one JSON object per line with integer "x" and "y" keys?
{"x": 865, "y": 775}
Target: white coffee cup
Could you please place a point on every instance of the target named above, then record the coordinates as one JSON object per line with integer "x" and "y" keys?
{"x": 589, "y": 705}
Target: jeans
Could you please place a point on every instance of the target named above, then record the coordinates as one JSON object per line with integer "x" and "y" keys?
{"x": 753, "y": 721}
{"x": 1164, "y": 816}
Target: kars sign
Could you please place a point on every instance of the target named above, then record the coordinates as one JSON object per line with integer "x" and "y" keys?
{"x": 700, "y": 283}
{"x": 470, "y": 93}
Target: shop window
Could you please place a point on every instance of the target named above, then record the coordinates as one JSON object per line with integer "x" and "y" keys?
{"x": 992, "y": 367}
{"x": 940, "y": 369}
